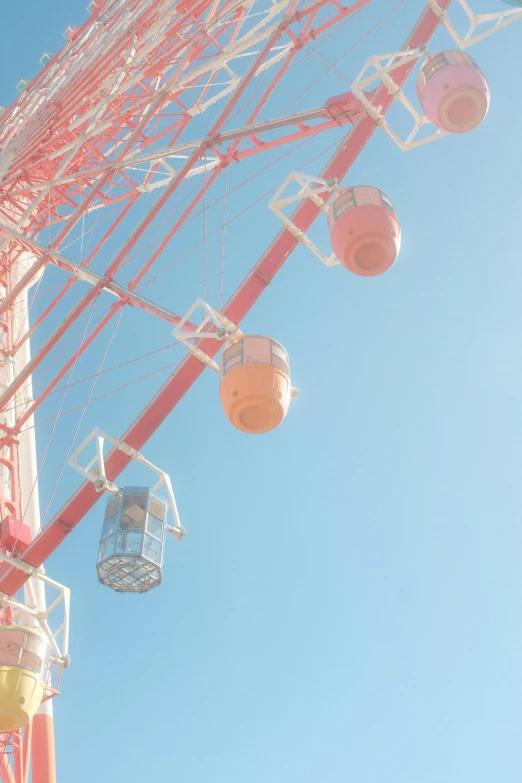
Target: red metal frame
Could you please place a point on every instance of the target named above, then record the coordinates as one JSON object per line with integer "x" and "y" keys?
{"x": 240, "y": 303}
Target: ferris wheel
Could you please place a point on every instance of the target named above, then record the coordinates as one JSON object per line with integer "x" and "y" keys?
{"x": 128, "y": 153}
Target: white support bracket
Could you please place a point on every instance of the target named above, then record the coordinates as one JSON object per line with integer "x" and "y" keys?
{"x": 380, "y": 68}
{"x": 307, "y": 187}
{"x": 29, "y": 614}
{"x": 94, "y": 471}
{"x": 224, "y": 330}
{"x": 494, "y": 22}
{"x": 94, "y": 6}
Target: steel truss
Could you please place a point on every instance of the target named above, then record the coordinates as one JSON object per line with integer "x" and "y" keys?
{"x": 97, "y": 154}
{"x": 67, "y": 179}
{"x": 84, "y": 136}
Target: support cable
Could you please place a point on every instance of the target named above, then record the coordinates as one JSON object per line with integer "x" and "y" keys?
{"x": 93, "y": 386}
{"x": 170, "y": 366}
{"x": 222, "y": 263}
{"x": 345, "y": 54}
{"x": 104, "y": 372}
{"x": 205, "y": 227}
{"x": 246, "y": 209}
{"x": 22, "y": 516}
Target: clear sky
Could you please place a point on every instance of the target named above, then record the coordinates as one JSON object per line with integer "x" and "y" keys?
{"x": 347, "y": 605}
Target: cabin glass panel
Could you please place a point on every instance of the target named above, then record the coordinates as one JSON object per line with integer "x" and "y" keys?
{"x": 257, "y": 350}
{"x": 459, "y": 58}
{"x": 134, "y": 511}
{"x": 433, "y": 65}
{"x": 232, "y": 356}
{"x": 130, "y": 558}
{"x": 155, "y": 527}
{"x": 342, "y": 203}
{"x": 113, "y": 506}
{"x": 110, "y": 527}
{"x": 133, "y": 543}
{"x": 26, "y": 650}
{"x": 11, "y": 643}
{"x": 360, "y": 196}
{"x": 153, "y": 549}
{"x": 280, "y": 358}
{"x": 386, "y": 202}
{"x": 107, "y": 547}
{"x": 156, "y": 507}
{"x": 367, "y": 197}
{"x": 35, "y": 654}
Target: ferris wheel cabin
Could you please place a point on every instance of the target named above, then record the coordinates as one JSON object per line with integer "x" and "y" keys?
{"x": 453, "y": 91}
{"x": 364, "y": 230}
{"x": 24, "y": 666}
{"x": 130, "y": 557}
{"x": 255, "y": 388}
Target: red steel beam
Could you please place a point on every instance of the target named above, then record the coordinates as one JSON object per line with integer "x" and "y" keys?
{"x": 28, "y": 738}
{"x": 6, "y": 773}
{"x": 50, "y": 538}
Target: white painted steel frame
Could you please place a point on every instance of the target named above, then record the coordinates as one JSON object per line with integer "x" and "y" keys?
{"x": 40, "y": 615}
{"x": 224, "y": 330}
{"x": 496, "y": 20}
{"x": 306, "y": 189}
{"x": 94, "y": 471}
{"x": 383, "y": 66}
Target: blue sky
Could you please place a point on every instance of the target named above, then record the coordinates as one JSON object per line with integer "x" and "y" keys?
{"x": 347, "y": 603}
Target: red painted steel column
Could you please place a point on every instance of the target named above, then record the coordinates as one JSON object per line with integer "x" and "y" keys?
{"x": 28, "y": 739}
{"x": 6, "y": 773}
{"x": 18, "y": 761}
{"x": 43, "y": 755}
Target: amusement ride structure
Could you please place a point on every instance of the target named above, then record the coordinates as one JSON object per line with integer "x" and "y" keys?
{"x": 141, "y": 100}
